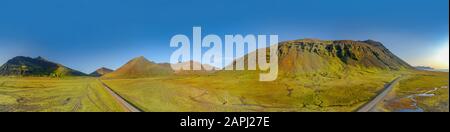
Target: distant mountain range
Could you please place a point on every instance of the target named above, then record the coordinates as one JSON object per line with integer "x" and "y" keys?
{"x": 26, "y": 66}
{"x": 334, "y": 57}
{"x": 295, "y": 57}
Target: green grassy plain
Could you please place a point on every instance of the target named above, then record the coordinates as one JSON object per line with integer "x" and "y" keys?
{"x": 31, "y": 94}
{"x": 419, "y": 83}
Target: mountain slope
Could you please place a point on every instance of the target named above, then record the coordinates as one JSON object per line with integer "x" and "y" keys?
{"x": 190, "y": 71}
{"x": 26, "y": 66}
{"x": 311, "y": 56}
{"x": 316, "y": 55}
{"x": 140, "y": 67}
{"x": 100, "y": 72}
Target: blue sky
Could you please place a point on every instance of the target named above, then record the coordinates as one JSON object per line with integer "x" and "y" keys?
{"x": 88, "y": 34}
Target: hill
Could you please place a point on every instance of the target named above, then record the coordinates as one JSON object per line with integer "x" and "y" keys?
{"x": 140, "y": 67}
{"x": 26, "y": 66}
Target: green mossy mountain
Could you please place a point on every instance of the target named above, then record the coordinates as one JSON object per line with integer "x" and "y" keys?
{"x": 298, "y": 57}
{"x": 315, "y": 55}
{"x": 26, "y": 66}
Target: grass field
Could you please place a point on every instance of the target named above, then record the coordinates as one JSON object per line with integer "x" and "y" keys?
{"x": 243, "y": 92}
{"x": 420, "y": 91}
{"x": 59, "y": 95}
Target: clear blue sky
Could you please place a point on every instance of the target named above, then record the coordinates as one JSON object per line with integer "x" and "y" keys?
{"x": 87, "y": 34}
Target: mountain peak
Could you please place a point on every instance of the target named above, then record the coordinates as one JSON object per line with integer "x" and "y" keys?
{"x": 191, "y": 64}
{"x": 20, "y": 58}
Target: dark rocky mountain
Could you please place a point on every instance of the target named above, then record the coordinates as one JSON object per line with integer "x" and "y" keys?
{"x": 26, "y": 66}
{"x": 100, "y": 72}
{"x": 312, "y": 56}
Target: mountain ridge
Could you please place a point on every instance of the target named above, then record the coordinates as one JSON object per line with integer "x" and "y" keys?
{"x": 101, "y": 71}
{"x": 311, "y": 56}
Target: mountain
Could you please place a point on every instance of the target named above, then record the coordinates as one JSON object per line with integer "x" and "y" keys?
{"x": 192, "y": 63}
{"x": 298, "y": 57}
{"x": 100, "y": 72}
{"x": 26, "y": 66}
{"x": 140, "y": 67}
{"x": 316, "y": 55}
{"x": 427, "y": 68}
{"x": 424, "y": 68}
{"x": 310, "y": 56}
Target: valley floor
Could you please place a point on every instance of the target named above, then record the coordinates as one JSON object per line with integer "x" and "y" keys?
{"x": 421, "y": 91}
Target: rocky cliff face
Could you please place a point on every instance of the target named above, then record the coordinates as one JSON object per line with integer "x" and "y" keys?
{"x": 140, "y": 67}
{"x": 100, "y": 72}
